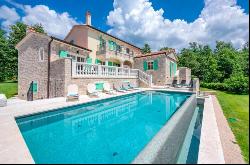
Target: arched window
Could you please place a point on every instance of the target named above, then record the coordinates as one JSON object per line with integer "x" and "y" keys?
{"x": 41, "y": 54}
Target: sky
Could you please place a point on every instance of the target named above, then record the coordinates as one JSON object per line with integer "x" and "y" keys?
{"x": 160, "y": 23}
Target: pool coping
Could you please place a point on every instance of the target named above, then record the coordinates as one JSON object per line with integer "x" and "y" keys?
{"x": 13, "y": 148}
{"x": 210, "y": 149}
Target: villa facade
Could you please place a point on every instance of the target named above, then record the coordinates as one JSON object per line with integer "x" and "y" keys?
{"x": 48, "y": 65}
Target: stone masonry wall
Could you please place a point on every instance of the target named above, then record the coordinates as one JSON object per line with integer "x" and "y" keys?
{"x": 57, "y": 78}
{"x": 61, "y": 78}
{"x": 30, "y": 68}
{"x": 185, "y": 74}
{"x": 159, "y": 75}
{"x": 56, "y": 47}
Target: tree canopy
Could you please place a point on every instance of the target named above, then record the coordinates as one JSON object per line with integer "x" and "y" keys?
{"x": 8, "y": 53}
{"x": 220, "y": 65}
{"x": 146, "y": 49}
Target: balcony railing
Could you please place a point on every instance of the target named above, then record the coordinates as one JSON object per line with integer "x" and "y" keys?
{"x": 104, "y": 50}
{"x": 80, "y": 69}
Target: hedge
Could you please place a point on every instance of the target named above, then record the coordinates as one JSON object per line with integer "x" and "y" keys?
{"x": 235, "y": 84}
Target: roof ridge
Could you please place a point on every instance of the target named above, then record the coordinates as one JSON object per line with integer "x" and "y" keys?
{"x": 92, "y": 27}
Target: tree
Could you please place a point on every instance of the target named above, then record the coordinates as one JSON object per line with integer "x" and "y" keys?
{"x": 17, "y": 33}
{"x": 165, "y": 48}
{"x": 4, "y": 49}
{"x": 39, "y": 28}
{"x": 146, "y": 49}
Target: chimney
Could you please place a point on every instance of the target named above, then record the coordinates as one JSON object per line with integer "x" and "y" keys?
{"x": 29, "y": 29}
{"x": 88, "y": 18}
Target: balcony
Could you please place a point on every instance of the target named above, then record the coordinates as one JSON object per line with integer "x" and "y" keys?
{"x": 84, "y": 70}
{"x": 106, "y": 53}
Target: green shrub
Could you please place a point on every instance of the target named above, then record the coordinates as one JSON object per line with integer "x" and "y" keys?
{"x": 235, "y": 84}
{"x": 216, "y": 86}
{"x": 238, "y": 84}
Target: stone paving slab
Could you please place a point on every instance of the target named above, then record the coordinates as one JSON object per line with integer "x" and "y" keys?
{"x": 210, "y": 150}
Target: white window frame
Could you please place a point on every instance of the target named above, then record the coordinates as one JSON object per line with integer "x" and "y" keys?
{"x": 41, "y": 56}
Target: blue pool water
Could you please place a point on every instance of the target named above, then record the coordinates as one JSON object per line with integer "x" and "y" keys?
{"x": 108, "y": 131}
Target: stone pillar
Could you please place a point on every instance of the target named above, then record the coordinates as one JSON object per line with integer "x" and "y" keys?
{"x": 196, "y": 85}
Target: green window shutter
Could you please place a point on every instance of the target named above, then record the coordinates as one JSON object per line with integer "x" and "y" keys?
{"x": 89, "y": 60}
{"x": 170, "y": 69}
{"x": 110, "y": 63}
{"x": 99, "y": 86}
{"x": 145, "y": 65}
{"x": 63, "y": 54}
{"x": 175, "y": 68}
{"x": 115, "y": 46}
{"x": 155, "y": 64}
{"x": 34, "y": 87}
{"x": 110, "y": 45}
{"x": 97, "y": 61}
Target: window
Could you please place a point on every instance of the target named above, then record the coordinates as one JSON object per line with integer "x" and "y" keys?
{"x": 80, "y": 59}
{"x": 150, "y": 65}
{"x": 127, "y": 50}
{"x": 118, "y": 48}
{"x": 41, "y": 54}
{"x": 73, "y": 57}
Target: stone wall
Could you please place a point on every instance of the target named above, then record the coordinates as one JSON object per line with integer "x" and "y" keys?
{"x": 57, "y": 46}
{"x": 83, "y": 82}
{"x": 57, "y": 78}
{"x": 159, "y": 75}
{"x": 61, "y": 78}
{"x": 185, "y": 74}
{"x": 30, "y": 68}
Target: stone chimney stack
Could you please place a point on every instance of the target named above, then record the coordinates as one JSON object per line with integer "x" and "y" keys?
{"x": 29, "y": 29}
{"x": 88, "y": 18}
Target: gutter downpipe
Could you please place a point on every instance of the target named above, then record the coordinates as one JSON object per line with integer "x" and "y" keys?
{"x": 49, "y": 52}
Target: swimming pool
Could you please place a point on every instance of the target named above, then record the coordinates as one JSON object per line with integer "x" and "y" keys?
{"x": 108, "y": 131}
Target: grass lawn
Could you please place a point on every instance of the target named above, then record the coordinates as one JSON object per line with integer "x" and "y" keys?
{"x": 9, "y": 88}
{"x": 236, "y": 107}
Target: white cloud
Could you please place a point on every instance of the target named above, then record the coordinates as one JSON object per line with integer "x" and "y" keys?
{"x": 54, "y": 23}
{"x": 9, "y": 16}
{"x": 138, "y": 22}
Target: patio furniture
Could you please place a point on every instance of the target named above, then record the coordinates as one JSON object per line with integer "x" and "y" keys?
{"x": 126, "y": 87}
{"x": 132, "y": 86}
{"x": 3, "y": 100}
{"x": 107, "y": 89}
{"x": 91, "y": 90}
{"x": 72, "y": 93}
{"x": 174, "y": 83}
{"x": 118, "y": 88}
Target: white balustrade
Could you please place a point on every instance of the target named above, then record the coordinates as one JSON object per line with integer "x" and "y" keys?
{"x": 80, "y": 69}
{"x": 145, "y": 77}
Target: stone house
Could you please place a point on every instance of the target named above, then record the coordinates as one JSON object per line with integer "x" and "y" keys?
{"x": 39, "y": 60}
{"x": 106, "y": 49}
{"x": 162, "y": 66}
{"x": 48, "y": 65}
